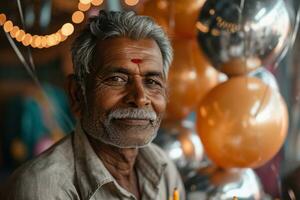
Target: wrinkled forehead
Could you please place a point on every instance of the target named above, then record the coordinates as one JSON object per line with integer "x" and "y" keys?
{"x": 114, "y": 50}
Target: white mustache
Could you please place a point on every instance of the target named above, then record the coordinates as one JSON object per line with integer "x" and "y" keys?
{"x": 132, "y": 113}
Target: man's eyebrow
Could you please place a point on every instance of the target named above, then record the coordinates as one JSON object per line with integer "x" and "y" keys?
{"x": 154, "y": 73}
{"x": 119, "y": 69}
{"x": 114, "y": 69}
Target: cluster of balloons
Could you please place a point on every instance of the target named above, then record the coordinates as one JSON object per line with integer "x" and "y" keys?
{"x": 243, "y": 122}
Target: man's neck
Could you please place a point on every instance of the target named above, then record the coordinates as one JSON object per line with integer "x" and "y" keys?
{"x": 118, "y": 161}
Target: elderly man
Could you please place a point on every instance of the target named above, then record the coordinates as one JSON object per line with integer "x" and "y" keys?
{"x": 119, "y": 95}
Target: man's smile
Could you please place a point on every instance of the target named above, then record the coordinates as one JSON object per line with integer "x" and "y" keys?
{"x": 133, "y": 121}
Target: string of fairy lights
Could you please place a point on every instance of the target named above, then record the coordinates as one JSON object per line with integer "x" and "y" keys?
{"x": 67, "y": 29}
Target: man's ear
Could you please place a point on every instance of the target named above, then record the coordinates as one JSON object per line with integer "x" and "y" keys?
{"x": 74, "y": 92}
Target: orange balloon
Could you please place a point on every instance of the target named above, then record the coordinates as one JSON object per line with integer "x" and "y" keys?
{"x": 242, "y": 123}
{"x": 191, "y": 76}
{"x": 240, "y": 66}
{"x": 179, "y": 17}
{"x": 158, "y": 10}
{"x": 186, "y": 13}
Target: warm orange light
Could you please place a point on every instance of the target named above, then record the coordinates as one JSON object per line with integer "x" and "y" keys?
{"x": 2, "y": 19}
{"x": 85, "y": 1}
{"x": 18, "y": 150}
{"x": 40, "y": 46}
{"x": 38, "y": 42}
{"x": 131, "y": 2}
{"x": 8, "y": 26}
{"x": 33, "y": 43}
{"x": 77, "y": 17}
{"x": 215, "y": 32}
{"x": 51, "y": 40}
{"x": 44, "y": 41}
{"x": 27, "y": 39}
{"x": 14, "y": 31}
{"x": 62, "y": 37}
{"x": 162, "y": 5}
{"x": 212, "y": 11}
{"x": 202, "y": 27}
{"x": 84, "y": 7}
{"x": 97, "y": 2}
{"x": 20, "y": 35}
{"x": 57, "y": 38}
{"x": 67, "y": 29}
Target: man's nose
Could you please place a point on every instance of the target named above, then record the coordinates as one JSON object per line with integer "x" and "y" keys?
{"x": 137, "y": 95}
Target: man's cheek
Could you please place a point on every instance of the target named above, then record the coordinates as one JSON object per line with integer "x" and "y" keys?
{"x": 161, "y": 102}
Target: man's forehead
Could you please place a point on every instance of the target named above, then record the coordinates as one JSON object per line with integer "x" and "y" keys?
{"x": 124, "y": 53}
{"x": 123, "y": 47}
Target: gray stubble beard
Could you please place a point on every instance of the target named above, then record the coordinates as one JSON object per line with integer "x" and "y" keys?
{"x": 107, "y": 132}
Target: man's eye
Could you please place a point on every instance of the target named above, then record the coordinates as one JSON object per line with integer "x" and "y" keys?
{"x": 152, "y": 82}
{"x": 116, "y": 79}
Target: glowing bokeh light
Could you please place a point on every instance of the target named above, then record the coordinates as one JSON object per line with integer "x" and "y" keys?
{"x": 27, "y": 39}
{"x": 45, "y": 41}
{"x": 77, "y": 17}
{"x": 85, "y": 1}
{"x": 20, "y": 35}
{"x": 13, "y": 32}
{"x": 62, "y": 37}
{"x": 8, "y": 26}
{"x": 2, "y": 19}
{"x": 97, "y": 2}
{"x": 84, "y": 7}
{"x": 67, "y": 29}
{"x": 131, "y": 2}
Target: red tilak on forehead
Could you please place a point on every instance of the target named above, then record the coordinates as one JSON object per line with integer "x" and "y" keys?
{"x": 136, "y": 60}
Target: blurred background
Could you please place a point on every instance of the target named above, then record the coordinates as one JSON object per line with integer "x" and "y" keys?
{"x": 233, "y": 120}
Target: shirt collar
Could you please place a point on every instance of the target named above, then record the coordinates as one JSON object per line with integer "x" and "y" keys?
{"x": 91, "y": 173}
{"x": 151, "y": 164}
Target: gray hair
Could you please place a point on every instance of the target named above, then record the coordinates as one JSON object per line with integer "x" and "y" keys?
{"x": 116, "y": 24}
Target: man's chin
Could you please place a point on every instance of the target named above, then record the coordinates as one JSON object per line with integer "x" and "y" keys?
{"x": 130, "y": 140}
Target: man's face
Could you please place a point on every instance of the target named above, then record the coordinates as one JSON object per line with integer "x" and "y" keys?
{"x": 126, "y": 94}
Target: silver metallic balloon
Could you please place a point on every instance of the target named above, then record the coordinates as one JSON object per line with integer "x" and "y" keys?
{"x": 241, "y": 35}
{"x": 266, "y": 76}
{"x": 181, "y": 144}
{"x": 212, "y": 183}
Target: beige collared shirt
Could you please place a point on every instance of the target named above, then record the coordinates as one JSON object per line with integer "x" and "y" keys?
{"x": 71, "y": 170}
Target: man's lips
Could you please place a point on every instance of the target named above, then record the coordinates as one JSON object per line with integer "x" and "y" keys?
{"x": 133, "y": 122}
